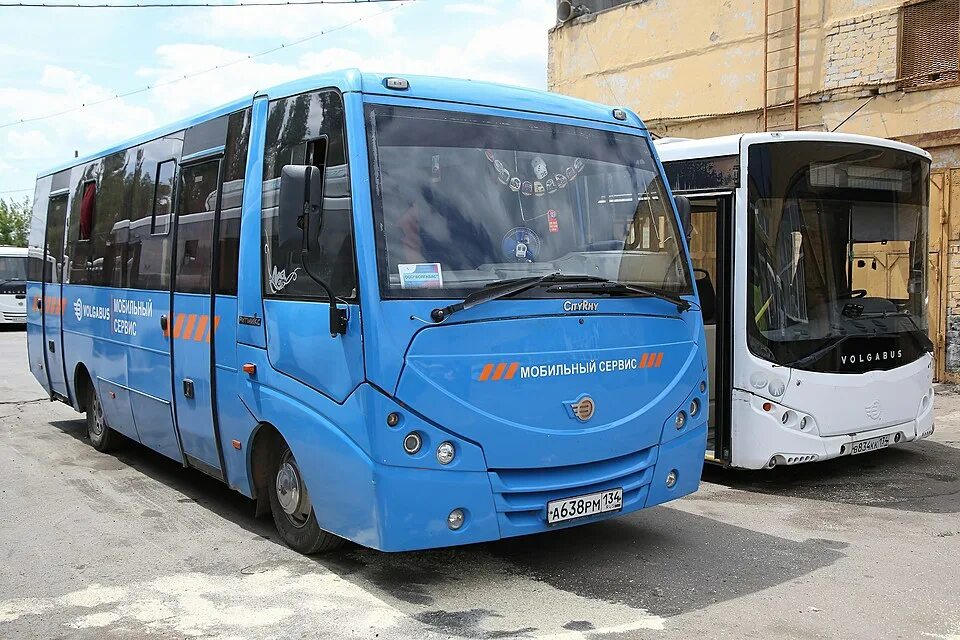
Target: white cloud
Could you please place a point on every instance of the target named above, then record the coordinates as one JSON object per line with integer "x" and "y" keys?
{"x": 476, "y": 9}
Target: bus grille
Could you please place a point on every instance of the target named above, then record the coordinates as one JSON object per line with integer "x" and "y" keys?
{"x": 521, "y": 495}
{"x": 14, "y": 317}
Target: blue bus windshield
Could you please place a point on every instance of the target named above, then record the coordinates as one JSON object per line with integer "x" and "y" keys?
{"x": 463, "y": 201}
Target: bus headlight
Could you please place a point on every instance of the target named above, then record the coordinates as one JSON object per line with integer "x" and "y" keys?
{"x": 694, "y": 407}
{"x": 412, "y": 442}
{"x": 776, "y": 388}
{"x": 455, "y": 519}
{"x": 680, "y": 420}
{"x": 445, "y": 453}
{"x": 671, "y": 479}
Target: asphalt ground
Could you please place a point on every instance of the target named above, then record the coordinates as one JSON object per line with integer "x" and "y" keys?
{"x": 130, "y": 545}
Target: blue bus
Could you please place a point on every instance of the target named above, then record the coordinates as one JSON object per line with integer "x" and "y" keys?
{"x": 409, "y": 312}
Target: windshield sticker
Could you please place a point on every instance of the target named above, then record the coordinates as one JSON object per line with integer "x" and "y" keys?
{"x": 553, "y": 225}
{"x": 421, "y": 276}
{"x": 279, "y": 278}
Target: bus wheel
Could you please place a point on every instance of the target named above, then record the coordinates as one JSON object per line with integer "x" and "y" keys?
{"x": 292, "y": 510}
{"x": 102, "y": 437}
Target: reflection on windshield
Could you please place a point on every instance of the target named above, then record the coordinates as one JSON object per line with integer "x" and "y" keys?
{"x": 465, "y": 201}
{"x": 13, "y": 268}
{"x": 837, "y": 253}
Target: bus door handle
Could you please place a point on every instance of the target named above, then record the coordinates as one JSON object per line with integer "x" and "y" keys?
{"x": 164, "y": 325}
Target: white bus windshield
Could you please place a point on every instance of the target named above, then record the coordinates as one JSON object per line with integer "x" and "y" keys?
{"x": 13, "y": 268}
{"x": 837, "y": 264}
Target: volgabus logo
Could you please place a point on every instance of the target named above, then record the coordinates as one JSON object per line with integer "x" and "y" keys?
{"x": 82, "y": 310}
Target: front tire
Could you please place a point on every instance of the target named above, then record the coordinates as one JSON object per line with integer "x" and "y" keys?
{"x": 292, "y": 510}
{"x": 102, "y": 437}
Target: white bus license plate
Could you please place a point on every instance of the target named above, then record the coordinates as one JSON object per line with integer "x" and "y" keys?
{"x": 872, "y": 444}
{"x": 583, "y": 506}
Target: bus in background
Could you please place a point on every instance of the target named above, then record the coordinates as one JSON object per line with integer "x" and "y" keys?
{"x": 408, "y": 312}
{"x": 13, "y": 285}
{"x": 810, "y": 255}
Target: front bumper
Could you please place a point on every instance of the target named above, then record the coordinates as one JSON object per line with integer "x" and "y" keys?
{"x": 414, "y": 503}
{"x": 760, "y": 442}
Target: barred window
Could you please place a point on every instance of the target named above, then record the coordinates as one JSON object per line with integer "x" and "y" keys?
{"x": 929, "y": 43}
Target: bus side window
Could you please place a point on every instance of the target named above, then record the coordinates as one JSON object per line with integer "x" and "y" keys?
{"x": 309, "y": 129}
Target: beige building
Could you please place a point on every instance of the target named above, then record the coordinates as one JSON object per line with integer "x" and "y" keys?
{"x": 700, "y": 68}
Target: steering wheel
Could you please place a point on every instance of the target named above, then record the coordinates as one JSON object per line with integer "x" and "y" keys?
{"x": 853, "y": 293}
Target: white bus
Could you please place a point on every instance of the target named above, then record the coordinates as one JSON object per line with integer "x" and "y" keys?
{"x": 13, "y": 285}
{"x": 810, "y": 252}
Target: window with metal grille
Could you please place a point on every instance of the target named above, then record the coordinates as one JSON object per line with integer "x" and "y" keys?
{"x": 929, "y": 43}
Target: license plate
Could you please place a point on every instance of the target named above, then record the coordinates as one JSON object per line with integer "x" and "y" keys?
{"x": 583, "y": 506}
{"x": 871, "y": 444}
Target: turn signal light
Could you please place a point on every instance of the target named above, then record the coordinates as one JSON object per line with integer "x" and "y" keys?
{"x": 767, "y": 406}
{"x": 249, "y": 368}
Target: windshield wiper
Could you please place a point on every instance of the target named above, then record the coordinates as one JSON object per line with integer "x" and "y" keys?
{"x": 501, "y": 289}
{"x": 612, "y": 287}
{"x": 921, "y": 335}
{"x": 799, "y": 362}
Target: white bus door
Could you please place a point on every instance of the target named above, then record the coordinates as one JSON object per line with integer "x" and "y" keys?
{"x": 712, "y": 253}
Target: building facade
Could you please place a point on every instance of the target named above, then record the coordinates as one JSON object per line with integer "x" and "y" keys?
{"x": 700, "y": 68}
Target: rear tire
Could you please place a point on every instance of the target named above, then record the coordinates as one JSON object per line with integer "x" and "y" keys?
{"x": 291, "y": 507}
{"x": 102, "y": 437}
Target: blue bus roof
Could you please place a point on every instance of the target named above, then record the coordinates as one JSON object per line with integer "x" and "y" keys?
{"x": 449, "y": 90}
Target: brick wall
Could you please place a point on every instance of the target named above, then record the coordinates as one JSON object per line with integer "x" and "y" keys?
{"x": 861, "y": 50}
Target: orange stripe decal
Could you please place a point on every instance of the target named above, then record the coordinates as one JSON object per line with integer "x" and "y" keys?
{"x": 188, "y": 331}
{"x": 499, "y": 372}
{"x": 643, "y": 361}
{"x": 511, "y": 371}
{"x": 178, "y": 326}
{"x": 487, "y": 370}
{"x": 659, "y": 359}
{"x": 213, "y": 328}
{"x": 201, "y": 329}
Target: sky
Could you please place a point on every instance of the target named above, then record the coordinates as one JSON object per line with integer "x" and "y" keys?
{"x": 56, "y": 59}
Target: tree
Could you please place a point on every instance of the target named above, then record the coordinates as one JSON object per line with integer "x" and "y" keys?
{"x": 14, "y": 222}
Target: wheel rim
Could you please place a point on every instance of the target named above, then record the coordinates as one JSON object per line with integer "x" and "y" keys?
{"x": 291, "y": 492}
{"x": 99, "y": 422}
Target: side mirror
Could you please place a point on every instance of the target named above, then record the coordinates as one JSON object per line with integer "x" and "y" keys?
{"x": 300, "y": 204}
{"x": 683, "y": 210}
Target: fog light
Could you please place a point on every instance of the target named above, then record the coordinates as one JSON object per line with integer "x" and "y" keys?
{"x": 455, "y": 519}
{"x": 393, "y": 419}
{"x": 694, "y": 407}
{"x": 785, "y": 418}
{"x": 412, "y": 443}
{"x": 671, "y": 479}
{"x": 680, "y": 420}
{"x": 803, "y": 423}
{"x": 445, "y": 453}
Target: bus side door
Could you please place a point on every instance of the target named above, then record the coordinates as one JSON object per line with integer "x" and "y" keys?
{"x": 51, "y": 301}
{"x": 193, "y": 321}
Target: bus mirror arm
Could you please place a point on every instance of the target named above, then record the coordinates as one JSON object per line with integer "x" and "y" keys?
{"x": 301, "y": 200}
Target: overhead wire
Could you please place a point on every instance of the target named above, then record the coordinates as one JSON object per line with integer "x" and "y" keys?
{"x": 188, "y": 76}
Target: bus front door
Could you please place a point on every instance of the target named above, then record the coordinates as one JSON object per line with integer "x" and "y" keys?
{"x": 51, "y": 302}
{"x": 193, "y": 317}
{"x": 711, "y": 251}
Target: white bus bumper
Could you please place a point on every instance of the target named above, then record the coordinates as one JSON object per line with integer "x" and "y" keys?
{"x": 766, "y": 433}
